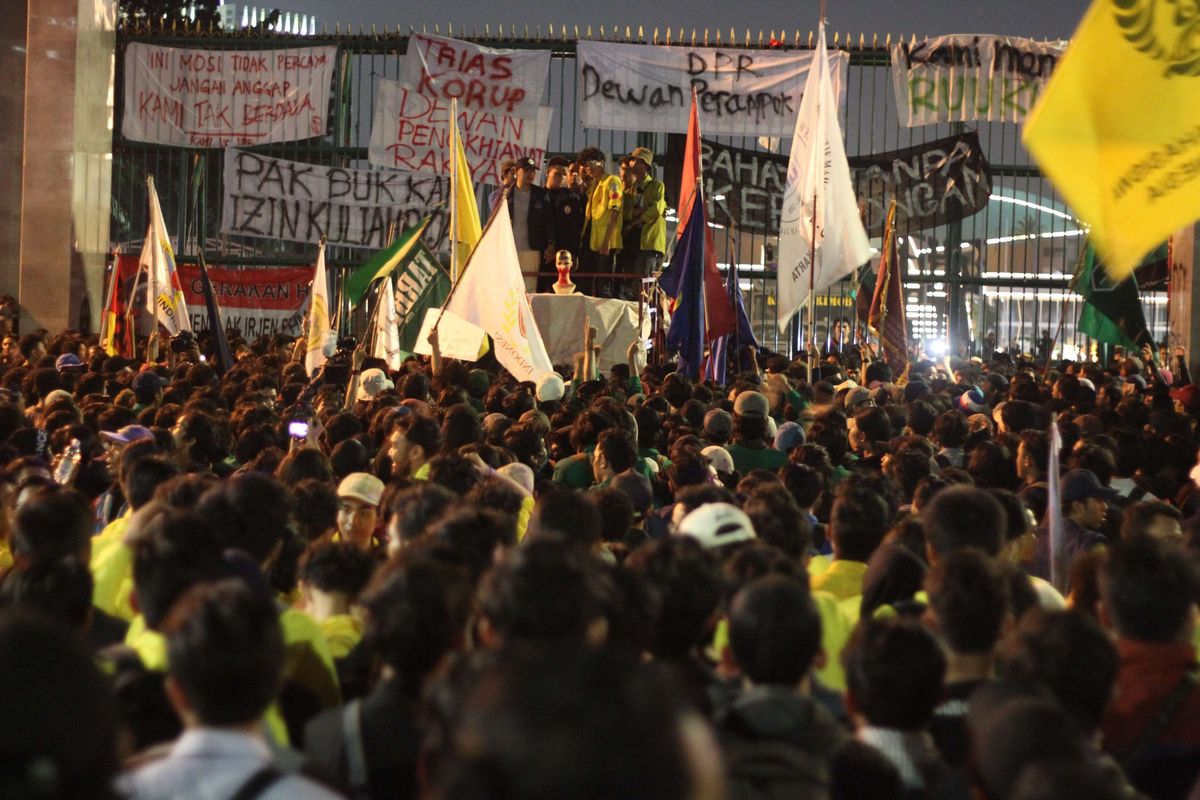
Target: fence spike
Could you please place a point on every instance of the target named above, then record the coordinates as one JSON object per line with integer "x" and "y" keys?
{"x": 811, "y": 40}
{"x": 888, "y": 42}
{"x": 527, "y": 32}
{"x": 760, "y": 38}
{"x": 642, "y": 35}
{"x": 449, "y": 28}
{"x": 655, "y": 39}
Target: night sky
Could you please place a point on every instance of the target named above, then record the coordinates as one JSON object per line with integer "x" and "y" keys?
{"x": 1042, "y": 19}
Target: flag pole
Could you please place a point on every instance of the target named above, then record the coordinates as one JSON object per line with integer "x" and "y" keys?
{"x": 812, "y": 282}
{"x": 152, "y": 280}
{"x": 453, "y": 139}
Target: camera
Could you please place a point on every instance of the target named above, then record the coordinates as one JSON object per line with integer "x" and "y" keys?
{"x": 182, "y": 342}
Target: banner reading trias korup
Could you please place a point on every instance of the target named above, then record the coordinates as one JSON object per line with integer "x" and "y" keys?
{"x": 217, "y": 98}
{"x": 967, "y": 77}
{"x": 511, "y": 81}
{"x": 934, "y": 183}
{"x": 641, "y": 87}
{"x": 298, "y": 202}
{"x": 410, "y": 131}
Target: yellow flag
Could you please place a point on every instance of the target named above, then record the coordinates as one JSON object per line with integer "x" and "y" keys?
{"x": 1118, "y": 128}
{"x": 467, "y": 229}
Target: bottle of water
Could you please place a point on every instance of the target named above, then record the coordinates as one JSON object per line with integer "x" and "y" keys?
{"x": 68, "y": 463}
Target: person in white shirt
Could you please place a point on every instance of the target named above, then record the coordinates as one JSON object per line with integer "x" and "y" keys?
{"x": 225, "y": 658}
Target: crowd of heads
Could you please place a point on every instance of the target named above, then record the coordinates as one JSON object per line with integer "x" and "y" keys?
{"x": 859, "y": 583}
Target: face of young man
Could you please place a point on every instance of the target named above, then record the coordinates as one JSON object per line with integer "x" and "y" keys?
{"x": 356, "y": 521}
{"x": 556, "y": 178}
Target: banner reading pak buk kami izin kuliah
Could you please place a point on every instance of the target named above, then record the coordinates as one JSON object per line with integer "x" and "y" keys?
{"x": 297, "y": 202}
{"x": 738, "y": 92}
{"x": 967, "y": 77}
{"x": 217, "y": 98}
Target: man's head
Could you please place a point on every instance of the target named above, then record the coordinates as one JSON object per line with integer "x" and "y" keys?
{"x": 413, "y": 441}
{"x": 615, "y": 452}
{"x": 358, "y": 508}
{"x": 51, "y": 524}
{"x": 592, "y": 160}
{"x": 640, "y": 162}
{"x": 225, "y": 654}
{"x": 1085, "y": 499}
{"x": 894, "y": 671}
{"x": 1149, "y": 591}
{"x": 968, "y": 597}
{"x": 1152, "y": 518}
{"x": 962, "y": 517}
{"x": 526, "y": 171}
{"x": 857, "y": 524}
{"x": 775, "y": 630}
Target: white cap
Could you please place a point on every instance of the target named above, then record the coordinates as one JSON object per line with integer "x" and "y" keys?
{"x": 550, "y": 387}
{"x": 716, "y": 525}
{"x": 372, "y": 382}
{"x": 718, "y": 457}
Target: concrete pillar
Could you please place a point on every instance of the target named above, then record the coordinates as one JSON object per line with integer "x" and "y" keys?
{"x": 1184, "y": 298}
{"x": 63, "y": 199}
{"x": 13, "y": 28}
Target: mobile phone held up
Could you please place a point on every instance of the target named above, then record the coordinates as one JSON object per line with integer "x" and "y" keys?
{"x": 298, "y": 429}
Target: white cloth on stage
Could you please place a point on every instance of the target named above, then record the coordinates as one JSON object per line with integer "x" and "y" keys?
{"x": 560, "y": 319}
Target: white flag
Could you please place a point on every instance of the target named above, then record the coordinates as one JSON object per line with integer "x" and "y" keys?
{"x": 491, "y": 294}
{"x": 1054, "y": 522}
{"x": 318, "y": 317}
{"x": 164, "y": 295}
{"x": 817, "y": 171}
{"x": 386, "y": 343}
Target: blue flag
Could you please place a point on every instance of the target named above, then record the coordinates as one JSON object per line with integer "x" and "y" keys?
{"x": 716, "y": 369}
{"x": 685, "y": 274}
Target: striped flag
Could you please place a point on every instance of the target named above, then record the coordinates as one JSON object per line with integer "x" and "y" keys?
{"x": 165, "y": 298}
{"x": 1058, "y": 566}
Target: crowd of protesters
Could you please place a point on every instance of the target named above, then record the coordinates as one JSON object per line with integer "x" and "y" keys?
{"x": 394, "y": 584}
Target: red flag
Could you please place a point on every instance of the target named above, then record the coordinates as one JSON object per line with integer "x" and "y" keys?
{"x": 718, "y": 310}
{"x": 886, "y": 318}
{"x": 116, "y": 326}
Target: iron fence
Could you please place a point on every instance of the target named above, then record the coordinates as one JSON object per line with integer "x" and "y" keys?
{"x": 997, "y": 278}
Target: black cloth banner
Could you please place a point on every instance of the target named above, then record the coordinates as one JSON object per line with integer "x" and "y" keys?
{"x": 934, "y": 183}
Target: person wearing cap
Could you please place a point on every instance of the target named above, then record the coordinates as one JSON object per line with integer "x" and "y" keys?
{"x": 643, "y": 227}
{"x": 147, "y": 388}
{"x": 602, "y": 234}
{"x": 508, "y": 175}
{"x": 749, "y": 449}
{"x": 1084, "y": 508}
{"x": 532, "y": 217}
{"x": 358, "y": 510}
{"x": 1187, "y": 399}
{"x": 371, "y": 382}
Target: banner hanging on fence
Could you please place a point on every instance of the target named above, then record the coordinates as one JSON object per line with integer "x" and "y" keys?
{"x": 410, "y": 132}
{"x": 256, "y": 301}
{"x": 298, "y": 202}
{"x": 509, "y": 81}
{"x": 218, "y": 98}
{"x": 933, "y": 183}
{"x": 739, "y": 92}
{"x": 964, "y": 77}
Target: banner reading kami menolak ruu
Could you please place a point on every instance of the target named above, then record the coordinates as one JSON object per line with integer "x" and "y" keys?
{"x": 641, "y": 87}
{"x": 217, "y": 98}
{"x": 410, "y": 132}
{"x": 274, "y": 198}
{"x": 967, "y": 77}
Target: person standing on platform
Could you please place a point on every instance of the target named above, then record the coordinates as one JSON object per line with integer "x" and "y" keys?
{"x": 644, "y": 225}
{"x": 602, "y": 237}
{"x": 566, "y": 192}
{"x": 532, "y": 221}
{"x": 508, "y": 171}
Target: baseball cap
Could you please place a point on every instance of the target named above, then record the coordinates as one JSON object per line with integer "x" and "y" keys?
{"x": 373, "y": 381}
{"x": 361, "y": 486}
{"x": 67, "y": 361}
{"x": 716, "y": 525}
{"x": 972, "y": 401}
{"x": 550, "y": 387}
{"x": 130, "y": 433}
{"x": 855, "y": 396}
{"x": 719, "y": 458}
{"x": 718, "y": 422}
{"x": 643, "y": 154}
{"x": 526, "y": 163}
{"x": 753, "y": 405}
{"x": 788, "y": 436}
{"x": 519, "y": 474}
{"x": 1188, "y": 395}
{"x": 148, "y": 380}
{"x": 1080, "y": 484}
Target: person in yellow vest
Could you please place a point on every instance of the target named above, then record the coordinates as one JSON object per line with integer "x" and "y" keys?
{"x": 645, "y": 226}
{"x": 330, "y": 582}
{"x": 602, "y": 234}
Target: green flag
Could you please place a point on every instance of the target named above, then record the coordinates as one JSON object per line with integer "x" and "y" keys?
{"x": 382, "y": 263}
{"x": 421, "y": 284}
{"x": 1111, "y": 313}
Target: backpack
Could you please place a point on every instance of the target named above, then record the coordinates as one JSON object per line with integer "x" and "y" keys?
{"x": 764, "y": 770}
